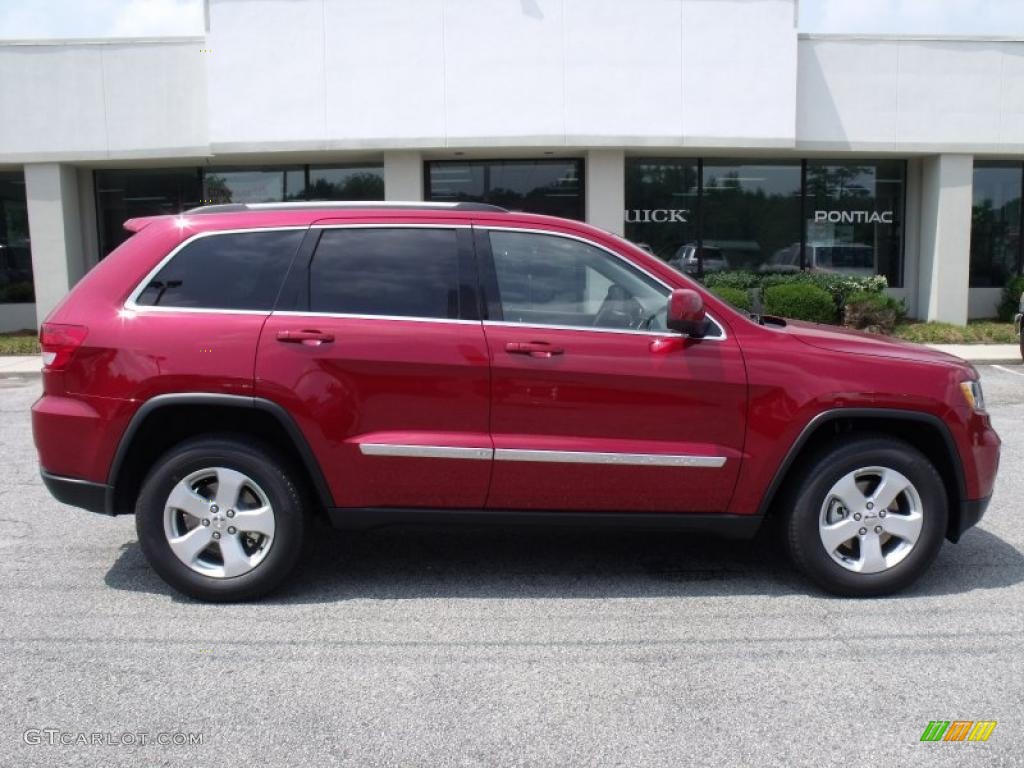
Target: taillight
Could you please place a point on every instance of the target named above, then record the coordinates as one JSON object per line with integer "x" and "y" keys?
{"x": 59, "y": 343}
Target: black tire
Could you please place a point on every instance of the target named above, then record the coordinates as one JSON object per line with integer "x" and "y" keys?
{"x": 808, "y": 494}
{"x": 274, "y": 477}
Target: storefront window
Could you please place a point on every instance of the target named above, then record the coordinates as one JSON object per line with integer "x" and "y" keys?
{"x": 995, "y": 223}
{"x": 15, "y": 252}
{"x": 128, "y": 194}
{"x": 353, "y": 182}
{"x": 716, "y": 215}
{"x": 662, "y": 207}
{"x": 553, "y": 187}
{"x": 122, "y": 195}
{"x": 854, "y": 218}
{"x": 751, "y": 215}
{"x": 254, "y": 185}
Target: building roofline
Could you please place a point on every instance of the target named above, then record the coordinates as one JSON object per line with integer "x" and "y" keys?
{"x": 73, "y": 41}
{"x": 890, "y": 38}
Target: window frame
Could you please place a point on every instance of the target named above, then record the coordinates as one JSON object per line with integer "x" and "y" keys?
{"x": 491, "y": 295}
{"x": 131, "y": 304}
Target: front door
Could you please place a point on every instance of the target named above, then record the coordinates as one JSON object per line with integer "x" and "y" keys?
{"x": 587, "y": 413}
{"x": 383, "y": 367}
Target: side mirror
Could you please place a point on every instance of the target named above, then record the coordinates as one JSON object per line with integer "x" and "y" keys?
{"x": 686, "y": 312}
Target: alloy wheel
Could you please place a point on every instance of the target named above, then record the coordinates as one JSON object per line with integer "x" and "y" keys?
{"x": 870, "y": 519}
{"x": 219, "y": 522}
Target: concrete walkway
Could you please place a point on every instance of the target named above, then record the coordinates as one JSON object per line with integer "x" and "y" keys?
{"x": 20, "y": 365}
{"x": 12, "y": 365}
{"x": 982, "y": 353}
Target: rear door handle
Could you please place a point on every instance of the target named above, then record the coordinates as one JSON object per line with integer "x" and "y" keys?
{"x": 533, "y": 349}
{"x": 307, "y": 336}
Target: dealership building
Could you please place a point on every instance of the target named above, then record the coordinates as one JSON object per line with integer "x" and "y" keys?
{"x": 709, "y": 128}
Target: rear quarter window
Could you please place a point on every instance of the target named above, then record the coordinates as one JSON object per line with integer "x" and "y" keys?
{"x": 239, "y": 270}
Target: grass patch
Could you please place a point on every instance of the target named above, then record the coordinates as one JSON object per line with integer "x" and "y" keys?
{"x": 975, "y": 332}
{"x": 19, "y": 343}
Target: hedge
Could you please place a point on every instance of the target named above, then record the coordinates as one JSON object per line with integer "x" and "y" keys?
{"x": 838, "y": 286}
{"x": 874, "y": 312}
{"x": 738, "y": 298}
{"x": 800, "y": 302}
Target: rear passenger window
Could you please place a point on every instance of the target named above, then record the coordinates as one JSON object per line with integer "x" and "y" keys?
{"x": 241, "y": 270}
{"x": 406, "y": 272}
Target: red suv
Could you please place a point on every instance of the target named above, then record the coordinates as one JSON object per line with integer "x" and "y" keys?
{"x": 231, "y": 372}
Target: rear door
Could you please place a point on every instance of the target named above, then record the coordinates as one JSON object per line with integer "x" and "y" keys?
{"x": 378, "y": 351}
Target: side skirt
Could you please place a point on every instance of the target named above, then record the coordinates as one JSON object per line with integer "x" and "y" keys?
{"x": 725, "y": 525}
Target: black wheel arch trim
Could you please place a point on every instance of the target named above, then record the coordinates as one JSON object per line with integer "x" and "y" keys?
{"x": 895, "y": 414}
{"x": 282, "y": 416}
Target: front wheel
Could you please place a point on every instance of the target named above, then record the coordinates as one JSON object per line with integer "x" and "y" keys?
{"x": 867, "y": 518}
{"x": 220, "y": 520}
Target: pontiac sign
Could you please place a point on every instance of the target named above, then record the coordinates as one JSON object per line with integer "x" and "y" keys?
{"x": 853, "y": 217}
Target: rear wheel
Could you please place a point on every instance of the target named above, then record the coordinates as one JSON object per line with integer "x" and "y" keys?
{"x": 221, "y": 520}
{"x": 867, "y": 518}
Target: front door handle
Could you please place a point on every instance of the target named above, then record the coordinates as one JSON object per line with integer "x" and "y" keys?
{"x": 309, "y": 337}
{"x": 533, "y": 348}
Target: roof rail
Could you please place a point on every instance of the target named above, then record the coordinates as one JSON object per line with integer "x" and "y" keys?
{"x": 346, "y": 205}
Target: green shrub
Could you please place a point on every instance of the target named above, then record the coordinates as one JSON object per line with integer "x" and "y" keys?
{"x": 800, "y": 302}
{"x": 1008, "y": 307}
{"x": 839, "y": 287}
{"x": 738, "y": 298}
{"x": 874, "y": 312}
{"x": 738, "y": 280}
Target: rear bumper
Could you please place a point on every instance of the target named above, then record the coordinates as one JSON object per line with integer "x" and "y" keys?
{"x": 78, "y": 493}
{"x": 971, "y": 512}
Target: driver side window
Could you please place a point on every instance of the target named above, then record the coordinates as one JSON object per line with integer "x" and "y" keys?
{"x": 553, "y": 280}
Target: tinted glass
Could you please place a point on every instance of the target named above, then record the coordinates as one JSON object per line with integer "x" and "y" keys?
{"x": 254, "y": 185}
{"x": 751, "y": 214}
{"x": 358, "y": 182}
{"x": 995, "y": 223}
{"x": 405, "y": 272}
{"x": 550, "y": 280}
{"x": 15, "y": 254}
{"x": 854, "y": 218}
{"x": 231, "y": 271}
{"x": 661, "y": 208}
{"x": 128, "y": 194}
{"x": 552, "y": 187}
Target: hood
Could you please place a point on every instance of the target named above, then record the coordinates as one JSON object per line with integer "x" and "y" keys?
{"x": 860, "y": 343}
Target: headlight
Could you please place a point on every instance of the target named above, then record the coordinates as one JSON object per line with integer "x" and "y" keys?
{"x": 973, "y": 394}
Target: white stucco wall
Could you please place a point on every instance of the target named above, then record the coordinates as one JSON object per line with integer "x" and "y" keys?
{"x": 102, "y": 100}
{"x": 915, "y": 95}
{"x": 440, "y": 73}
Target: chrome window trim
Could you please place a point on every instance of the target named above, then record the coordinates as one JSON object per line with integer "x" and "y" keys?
{"x": 426, "y": 451}
{"x": 722, "y": 336}
{"x": 542, "y": 456}
{"x": 585, "y": 328}
{"x": 356, "y": 316}
{"x": 130, "y": 303}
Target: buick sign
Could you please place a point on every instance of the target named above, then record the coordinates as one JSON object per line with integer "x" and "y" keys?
{"x": 656, "y": 215}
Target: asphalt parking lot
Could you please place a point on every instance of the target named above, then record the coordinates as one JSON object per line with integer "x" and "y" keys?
{"x": 485, "y": 647}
